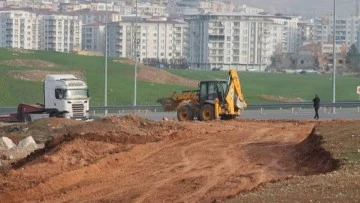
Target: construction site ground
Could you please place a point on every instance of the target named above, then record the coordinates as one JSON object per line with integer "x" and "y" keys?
{"x": 130, "y": 159}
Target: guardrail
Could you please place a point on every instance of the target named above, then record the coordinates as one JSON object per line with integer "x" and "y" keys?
{"x": 260, "y": 106}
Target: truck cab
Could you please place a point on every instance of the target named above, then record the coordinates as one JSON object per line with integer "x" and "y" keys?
{"x": 66, "y": 96}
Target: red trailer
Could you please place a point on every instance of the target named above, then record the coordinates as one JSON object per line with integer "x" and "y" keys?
{"x": 24, "y": 113}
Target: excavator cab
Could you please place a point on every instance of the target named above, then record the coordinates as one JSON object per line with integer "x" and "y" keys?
{"x": 211, "y": 90}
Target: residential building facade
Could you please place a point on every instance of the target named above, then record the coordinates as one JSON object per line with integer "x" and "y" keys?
{"x": 39, "y": 30}
{"x": 19, "y": 29}
{"x": 86, "y": 16}
{"x": 152, "y": 9}
{"x": 239, "y": 40}
{"x": 159, "y": 41}
{"x": 346, "y": 30}
{"x": 60, "y": 32}
{"x": 93, "y": 37}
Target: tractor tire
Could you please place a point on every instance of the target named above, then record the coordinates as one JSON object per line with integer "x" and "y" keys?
{"x": 184, "y": 113}
{"x": 227, "y": 117}
{"x": 207, "y": 112}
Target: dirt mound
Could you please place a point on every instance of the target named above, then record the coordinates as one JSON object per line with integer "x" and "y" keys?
{"x": 39, "y": 75}
{"x": 155, "y": 75}
{"x": 29, "y": 63}
{"x": 312, "y": 158}
{"x": 280, "y": 98}
{"x": 130, "y": 159}
{"x": 20, "y": 51}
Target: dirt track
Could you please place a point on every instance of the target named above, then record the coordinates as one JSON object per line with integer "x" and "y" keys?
{"x": 135, "y": 160}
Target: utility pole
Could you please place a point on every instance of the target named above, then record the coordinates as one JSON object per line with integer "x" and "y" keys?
{"x": 106, "y": 55}
{"x": 334, "y": 58}
{"x": 136, "y": 48}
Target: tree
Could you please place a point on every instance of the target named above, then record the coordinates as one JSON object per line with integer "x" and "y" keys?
{"x": 353, "y": 59}
{"x": 278, "y": 58}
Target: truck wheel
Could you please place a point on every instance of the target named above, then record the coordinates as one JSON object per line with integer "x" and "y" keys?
{"x": 27, "y": 118}
{"x": 207, "y": 112}
{"x": 53, "y": 115}
{"x": 184, "y": 113}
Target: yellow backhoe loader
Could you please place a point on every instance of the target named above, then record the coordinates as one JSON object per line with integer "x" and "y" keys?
{"x": 214, "y": 99}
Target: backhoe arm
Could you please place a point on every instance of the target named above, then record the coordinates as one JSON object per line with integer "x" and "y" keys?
{"x": 234, "y": 89}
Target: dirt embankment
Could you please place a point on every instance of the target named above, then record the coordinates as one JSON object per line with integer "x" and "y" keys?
{"x": 156, "y": 75}
{"x": 280, "y": 98}
{"x": 130, "y": 159}
{"x": 35, "y": 75}
{"x": 29, "y": 63}
{"x": 39, "y": 75}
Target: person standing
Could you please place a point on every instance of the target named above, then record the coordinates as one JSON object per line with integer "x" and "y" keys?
{"x": 316, "y": 102}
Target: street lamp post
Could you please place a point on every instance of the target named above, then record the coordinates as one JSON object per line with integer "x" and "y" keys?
{"x": 106, "y": 55}
{"x": 334, "y": 58}
{"x": 136, "y": 47}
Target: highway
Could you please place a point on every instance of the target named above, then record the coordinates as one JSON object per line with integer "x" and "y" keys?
{"x": 285, "y": 114}
{"x": 275, "y": 114}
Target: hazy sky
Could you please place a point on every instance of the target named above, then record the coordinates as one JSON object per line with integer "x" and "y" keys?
{"x": 305, "y": 7}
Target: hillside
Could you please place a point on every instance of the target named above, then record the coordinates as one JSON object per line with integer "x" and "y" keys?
{"x": 21, "y": 75}
{"x": 260, "y": 87}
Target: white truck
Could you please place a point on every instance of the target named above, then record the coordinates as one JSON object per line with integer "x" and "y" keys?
{"x": 64, "y": 96}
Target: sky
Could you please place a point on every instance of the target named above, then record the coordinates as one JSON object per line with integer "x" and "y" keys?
{"x": 307, "y": 8}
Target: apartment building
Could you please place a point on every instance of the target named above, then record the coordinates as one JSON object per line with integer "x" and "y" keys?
{"x": 35, "y": 4}
{"x": 183, "y": 7}
{"x": 238, "y": 40}
{"x": 93, "y": 37}
{"x": 248, "y": 9}
{"x": 119, "y": 7}
{"x": 306, "y": 31}
{"x": 159, "y": 40}
{"x": 215, "y": 6}
{"x": 2, "y": 3}
{"x": 290, "y": 34}
{"x": 19, "y": 29}
{"x": 70, "y": 7}
{"x": 346, "y": 30}
{"x": 86, "y": 16}
{"x": 59, "y": 32}
{"x": 152, "y": 9}
{"x": 39, "y": 30}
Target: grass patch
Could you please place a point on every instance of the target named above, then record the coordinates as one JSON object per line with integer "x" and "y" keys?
{"x": 287, "y": 85}
{"x": 121, "y": 82}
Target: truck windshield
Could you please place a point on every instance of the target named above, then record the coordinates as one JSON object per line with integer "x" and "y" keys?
{"x": 76, "y": 94}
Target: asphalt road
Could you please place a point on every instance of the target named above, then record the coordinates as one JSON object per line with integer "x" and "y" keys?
{"x": 285, "y": 114}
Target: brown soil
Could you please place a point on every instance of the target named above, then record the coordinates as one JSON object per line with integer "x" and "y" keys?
{"x": 130, "y": 159}
{"x": 21, "y": 51}
{"x": 156, "y": 75}
{"x": 280, "y": 98}
{"x": 29, "y": 63}
{"x": 39, "y": 75}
